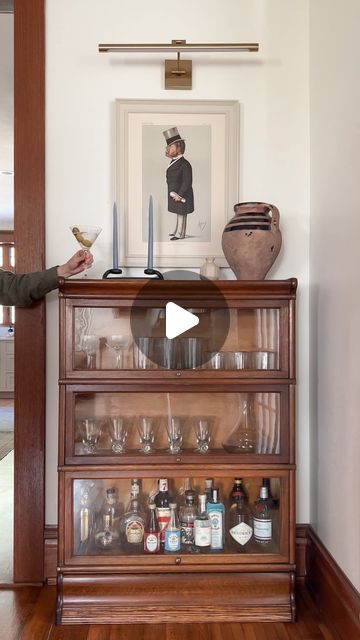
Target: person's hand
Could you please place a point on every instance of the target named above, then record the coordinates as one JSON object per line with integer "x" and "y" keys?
{"x": 80, "y": 261}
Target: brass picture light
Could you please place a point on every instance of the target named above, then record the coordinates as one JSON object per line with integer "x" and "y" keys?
{"x": 178, "y": 73}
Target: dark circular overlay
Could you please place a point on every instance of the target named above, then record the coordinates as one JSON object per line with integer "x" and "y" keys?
{"x": 196, "y": 348}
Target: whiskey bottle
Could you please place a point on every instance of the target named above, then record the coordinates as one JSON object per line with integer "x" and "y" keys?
{"x": 202, "y": 525}
{"x": 187, "y": 518}
{"x": 262, "y": 518}
{"x": 162, "y": 502}
{"x": 216, "y": 512}
{"x": 132, "y": 527}
{"x": 152, "y": 531}
{"x": 172, "y": 531}
{"x": 240, "y": 529}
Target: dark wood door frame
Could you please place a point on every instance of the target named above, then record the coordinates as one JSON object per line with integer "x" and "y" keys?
{"x": 29, "y": 227}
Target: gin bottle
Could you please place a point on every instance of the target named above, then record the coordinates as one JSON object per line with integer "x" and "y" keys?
{"x": 172, "y": 531}
{"x": 262, "y": 518}
{"x": 238, "y": 492}
{"x": 202, "y": 525}
{"x": 240, "y": 529}
{"x": 187, "y": 518}
{"x": 216, "y": 513}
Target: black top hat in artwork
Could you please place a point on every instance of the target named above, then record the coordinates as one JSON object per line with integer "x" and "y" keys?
{"x": 172, "y": 135}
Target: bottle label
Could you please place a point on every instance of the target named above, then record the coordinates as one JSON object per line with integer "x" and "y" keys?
{"x": 172, "y": 540}
{"x": 187, "y": 533}
{"x": 163, "y": 484}
{"x": 202, "y": 535}
{"x": 163, "y": 516}
{"x": 216, "y": 519}
{"x": 152, "y": 542}
{"x": 134, "y": 532}
{"x": 241, "y": 533}
{"x": 262, "y": 529}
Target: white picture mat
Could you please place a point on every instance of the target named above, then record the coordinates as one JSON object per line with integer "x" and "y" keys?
{"x": 141, "y": 171}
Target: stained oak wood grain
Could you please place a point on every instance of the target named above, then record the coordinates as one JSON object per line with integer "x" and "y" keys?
{"x": 28, "y": 613}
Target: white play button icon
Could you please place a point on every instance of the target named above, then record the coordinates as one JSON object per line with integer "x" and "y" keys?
{"x": 178, "y": 320}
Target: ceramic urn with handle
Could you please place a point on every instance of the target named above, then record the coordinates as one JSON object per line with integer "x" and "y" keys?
{"x": 251, "y": 240}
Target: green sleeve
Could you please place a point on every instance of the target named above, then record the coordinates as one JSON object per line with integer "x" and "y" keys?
{"x": 24, "y": 289}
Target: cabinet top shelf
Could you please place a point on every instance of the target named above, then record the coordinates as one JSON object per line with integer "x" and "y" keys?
{"x": 163, "y": 289}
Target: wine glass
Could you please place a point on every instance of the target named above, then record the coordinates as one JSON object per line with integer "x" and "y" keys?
{"x": 118, "y": 344}
{"x": 90, "y": 431}
{"x": 147, "y": 427}
{"x": 90, "y": 344}
{"x": 85, "y": 235}
{"x": 203, "y": 429}
{"x": 175, "y": 428}
{"x": 118, "y": 427}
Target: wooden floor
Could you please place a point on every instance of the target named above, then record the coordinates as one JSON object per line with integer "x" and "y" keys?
{"x": 27, "y": 613}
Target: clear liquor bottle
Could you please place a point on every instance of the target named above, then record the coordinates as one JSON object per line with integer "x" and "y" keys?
{"x": 208, "y": 488}
{"x": 271, "y": 500}
{"x": 187, "y": 518}
{"x": 216, "y": 513}
{"x": 152, "y": 531}
{"x": 162, "y": 502}
{"x": 202, "y": 525}
{"x": 107, "y": 530}
{"x": 240, "y": 526}
{"x": 172, "y": 531}
{"x": 85, "y": 517}
{"x": 262, "y": 518}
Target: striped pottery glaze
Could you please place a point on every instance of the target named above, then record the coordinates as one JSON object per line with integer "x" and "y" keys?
{"x": 251, "y": 240}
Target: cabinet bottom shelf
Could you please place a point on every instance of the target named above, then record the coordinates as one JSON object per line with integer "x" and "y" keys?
{"x": 182, "y": 598}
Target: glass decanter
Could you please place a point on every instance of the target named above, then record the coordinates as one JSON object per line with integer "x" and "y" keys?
{"x": 243, "y": 437}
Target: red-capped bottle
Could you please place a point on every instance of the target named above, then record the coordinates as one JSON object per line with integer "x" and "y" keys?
{"x": 162, "y": 502}
{"x": 152, "y": 531}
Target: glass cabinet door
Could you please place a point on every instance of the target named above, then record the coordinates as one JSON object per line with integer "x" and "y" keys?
{"x": 139, "y": 425}
{"x": 110, "y": 341}
{"x": 110, "y": 518}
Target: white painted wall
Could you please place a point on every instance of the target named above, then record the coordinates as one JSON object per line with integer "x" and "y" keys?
{"x": 334, "y": 269}
{"x": 272, "y": 89}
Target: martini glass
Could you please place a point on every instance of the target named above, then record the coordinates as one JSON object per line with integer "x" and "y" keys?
{"x": 85, "y": 235}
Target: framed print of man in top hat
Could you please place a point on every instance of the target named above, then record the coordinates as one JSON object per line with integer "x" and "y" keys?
{"x": 179, "y": 182}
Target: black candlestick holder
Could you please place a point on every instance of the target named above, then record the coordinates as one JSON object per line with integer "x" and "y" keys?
{"x": 117, "y": 272}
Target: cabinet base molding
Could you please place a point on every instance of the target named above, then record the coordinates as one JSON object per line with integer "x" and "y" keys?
{"x": 160, "y": 598}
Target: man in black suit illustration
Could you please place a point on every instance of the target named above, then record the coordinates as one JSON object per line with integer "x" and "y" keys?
{"x": 179, "y": 182}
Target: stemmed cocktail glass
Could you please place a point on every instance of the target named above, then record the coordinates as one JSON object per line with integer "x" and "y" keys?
{"x": 85, "y": 235}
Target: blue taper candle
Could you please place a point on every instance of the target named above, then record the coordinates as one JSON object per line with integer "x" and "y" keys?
{"x": 150, "y": 262}
{"x": 115, "y": 238}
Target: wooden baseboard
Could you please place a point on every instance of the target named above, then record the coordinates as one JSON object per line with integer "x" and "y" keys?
{"x": 333, "y": 593}
{"x": 50, "y": 553}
